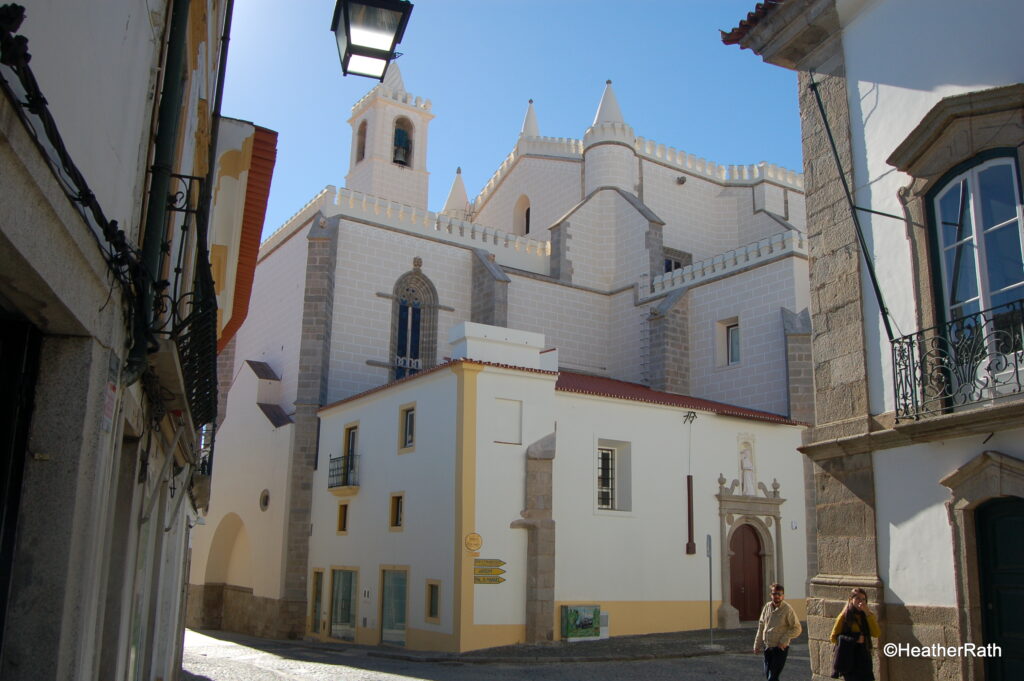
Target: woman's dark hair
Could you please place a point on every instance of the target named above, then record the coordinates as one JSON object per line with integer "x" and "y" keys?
{"x": 849, "y": 611}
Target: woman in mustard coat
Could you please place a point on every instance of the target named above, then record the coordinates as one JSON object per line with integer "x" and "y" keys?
{"x": 851, "y": 634}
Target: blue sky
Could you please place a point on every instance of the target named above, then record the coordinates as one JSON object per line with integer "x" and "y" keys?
{"x": 479, "y": 61}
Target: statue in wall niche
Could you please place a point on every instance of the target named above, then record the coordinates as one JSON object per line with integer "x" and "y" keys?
{"x": 748, "y": 485}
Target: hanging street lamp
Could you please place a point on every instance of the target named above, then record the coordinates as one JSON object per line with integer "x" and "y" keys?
{"x": 367, "y": 33}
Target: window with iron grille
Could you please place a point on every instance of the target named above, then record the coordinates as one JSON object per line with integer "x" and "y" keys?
{"x": 606, "y": 478}
{"x": 613, "y": 477}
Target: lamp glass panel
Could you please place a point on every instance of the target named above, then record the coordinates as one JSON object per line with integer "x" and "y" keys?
{"x": 342, "y": 41}
{"x": 366, "y": 66}
{"x": 373, "y": 27}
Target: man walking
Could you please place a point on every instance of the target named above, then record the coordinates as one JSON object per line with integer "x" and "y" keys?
{"x": 777, "y": 626}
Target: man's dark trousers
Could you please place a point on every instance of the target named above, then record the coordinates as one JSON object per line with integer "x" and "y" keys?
{"x": 774, "y": 661}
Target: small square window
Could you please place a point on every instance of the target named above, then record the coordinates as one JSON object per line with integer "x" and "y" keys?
{"x": 397, "y": 511}
{"x": 433, "y": 604}
{"x": 342, "y": 518}
{"x": 727, "y": 342}
{"x": 406, "y": 428}
{"x": 732, "y": 343}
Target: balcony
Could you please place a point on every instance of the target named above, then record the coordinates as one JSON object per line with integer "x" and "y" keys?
{"x": 962, "y": 364}
{"x": 343, "y": 475}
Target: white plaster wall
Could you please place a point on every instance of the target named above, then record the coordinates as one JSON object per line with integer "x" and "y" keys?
{"x": 696, "y": 221}
{"x": 552, "y": 185}
{"x": 797, "y": 215}
{"x": 501, "y": 485}
{"x": 629, "y": 255}
{"x": 251, "y": 456}
{"x": 370, "y": 261}
{"x": 627, "y": 338}
{"x": 915, "y": 540}
{"x": 610, "y": 165}
{"x": 426, "y": 476}
{"x": 573, "y": 320}
{"x": 639, "y": 555}
{"x": 103, "y": 140}
{"x": 592, "y": 241}
{"x": 273, "y": 328}
{"x": 756, "y": 297}
{"x": 956, "y": 47}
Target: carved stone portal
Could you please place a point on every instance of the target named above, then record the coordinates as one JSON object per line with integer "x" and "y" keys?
{"x": 762, "y": 513}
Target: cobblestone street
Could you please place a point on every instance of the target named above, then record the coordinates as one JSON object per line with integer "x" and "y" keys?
{"x": 232, "y": 657}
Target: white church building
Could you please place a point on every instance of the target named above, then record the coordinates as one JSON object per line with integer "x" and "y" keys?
{"x": 610, "y": 340}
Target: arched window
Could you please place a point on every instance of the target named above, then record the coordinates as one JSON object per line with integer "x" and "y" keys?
{"x": 402, "y": 148}
{"x": 521, "y": 216}
{"x": 413, "y": 323}
{"x": 977, "y": 228}
{"x": 361, "y": 142}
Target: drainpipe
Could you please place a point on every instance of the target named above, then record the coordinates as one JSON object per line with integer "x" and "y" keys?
{"x": 168, "y": 119}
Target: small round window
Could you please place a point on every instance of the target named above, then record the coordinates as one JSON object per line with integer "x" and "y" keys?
{"x": 264, "y": 499}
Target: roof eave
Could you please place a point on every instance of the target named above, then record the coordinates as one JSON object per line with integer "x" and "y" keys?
{"x": 795, "y": 34}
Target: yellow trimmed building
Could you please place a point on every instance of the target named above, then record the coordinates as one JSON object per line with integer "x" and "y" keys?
{"x": 479, "y": 503}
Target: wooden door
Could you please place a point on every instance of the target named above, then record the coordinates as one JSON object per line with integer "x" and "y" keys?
{"x": 1000, "y": 526}
{"x": 745, "y": 573}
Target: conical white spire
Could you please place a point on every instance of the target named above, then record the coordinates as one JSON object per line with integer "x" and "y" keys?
{"x": 530, "y": 128}
{"x": 608, "y": 110}
{"x": 457, "y": 203}
{"x": 393, "y": 78}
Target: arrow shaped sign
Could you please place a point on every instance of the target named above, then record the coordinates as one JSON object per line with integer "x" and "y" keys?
{"x": 482, "y": 579}
{"x": 488, "y": 562}
{"x": 488, "y": 571}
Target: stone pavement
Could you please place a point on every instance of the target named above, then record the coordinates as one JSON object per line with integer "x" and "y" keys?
{"x": 616, "y": 649}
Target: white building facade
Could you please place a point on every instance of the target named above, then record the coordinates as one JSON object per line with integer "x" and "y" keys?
{"x": 637, "y": 262}
{"x": 466, "y": 506}
{"x": 919, "y": 467}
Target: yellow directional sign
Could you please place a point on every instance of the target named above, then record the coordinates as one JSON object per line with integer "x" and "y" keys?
{"x": 483, "y": 579}
{"x": 487, "y": 571}
{"x": 487, "y": 562}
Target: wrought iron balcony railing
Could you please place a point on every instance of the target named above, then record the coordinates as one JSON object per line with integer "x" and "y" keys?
{"x": 185, "y": 304}
{"x": 343, "y": 472}
{"x": 965, "y": 362}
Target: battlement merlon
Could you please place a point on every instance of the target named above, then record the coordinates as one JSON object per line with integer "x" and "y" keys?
{"x": 724, "y": 174}
{"x": 397, "y": 96}
{"x": 569, "y": 148}
{"x": 792, "y": 242}
{"x": 510, "y": 250}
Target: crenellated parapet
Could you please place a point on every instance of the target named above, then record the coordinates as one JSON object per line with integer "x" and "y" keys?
{"x": 561, "y": 147}
{"x": 602, "y": 133}
{"x": 791, "y": 242}
{"x": 397, "y": 95}
{"x": 731, "y": 174}
{"x": 509, "y": 249}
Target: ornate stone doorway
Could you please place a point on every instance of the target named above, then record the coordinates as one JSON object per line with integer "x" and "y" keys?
{"x": 750, "y": 537}
{"x": 746, "y": 585}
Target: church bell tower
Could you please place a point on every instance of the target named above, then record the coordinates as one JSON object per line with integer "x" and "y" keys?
{"x": 389, "y": 143}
